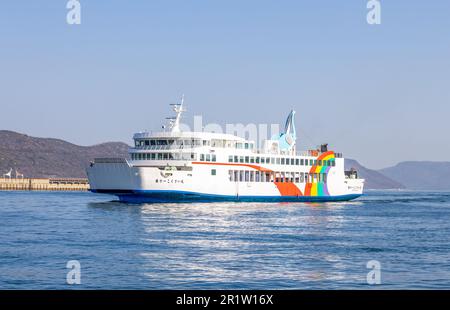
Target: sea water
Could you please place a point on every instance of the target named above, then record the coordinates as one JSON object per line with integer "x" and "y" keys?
{"x": 224, "y": 245}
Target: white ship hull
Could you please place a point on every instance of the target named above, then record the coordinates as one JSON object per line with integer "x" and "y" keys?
{"x": 180, "y": 166}
{"x": 151, "y": 184}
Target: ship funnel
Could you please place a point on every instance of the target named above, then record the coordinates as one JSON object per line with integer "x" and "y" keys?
{"x": 289, "y": 128}
{"x": 287, "y": 139}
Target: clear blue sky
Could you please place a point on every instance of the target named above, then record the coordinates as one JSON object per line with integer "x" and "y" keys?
{"x": 380, "y": 94}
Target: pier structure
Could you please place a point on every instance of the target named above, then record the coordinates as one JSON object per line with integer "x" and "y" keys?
{"x": 53, "y": 184}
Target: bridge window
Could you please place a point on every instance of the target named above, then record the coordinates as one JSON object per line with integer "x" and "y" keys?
{"x": 202, "y": 157}
{"x": 247, "y": 159}
{"x": 208, "y": 157}
{"x": 230, "y": 158}
{"x": 252, "y": 160}
{"x": 213, "y": 157}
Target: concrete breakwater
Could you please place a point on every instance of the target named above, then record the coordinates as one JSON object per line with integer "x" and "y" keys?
{"x": 55, "y": 184}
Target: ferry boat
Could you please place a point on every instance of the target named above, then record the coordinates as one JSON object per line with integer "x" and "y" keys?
{"x": 181, "y": 166}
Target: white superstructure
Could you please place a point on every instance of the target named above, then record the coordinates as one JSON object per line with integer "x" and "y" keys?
{"x": 178, "y": 166}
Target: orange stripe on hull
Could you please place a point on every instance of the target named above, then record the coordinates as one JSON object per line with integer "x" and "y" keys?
{"x": 288, "y": 189}
{"x": 308, "y": 189}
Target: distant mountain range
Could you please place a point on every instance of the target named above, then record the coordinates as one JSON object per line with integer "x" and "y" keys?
{"x": 47, "y": 158}
{"x": 422, "y": 175}
{"x": 374, "y": 179}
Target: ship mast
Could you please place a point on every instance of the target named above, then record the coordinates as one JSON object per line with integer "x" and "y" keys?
{"x": 175, "y": 121}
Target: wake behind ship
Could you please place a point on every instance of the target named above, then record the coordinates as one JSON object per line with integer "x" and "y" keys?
{"x": 178, "y": 166}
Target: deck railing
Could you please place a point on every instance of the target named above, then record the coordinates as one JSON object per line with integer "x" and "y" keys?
{"x": 111, "y": 160}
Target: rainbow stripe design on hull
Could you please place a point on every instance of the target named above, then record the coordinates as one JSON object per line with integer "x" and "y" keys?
{"x": 320, "y": 189}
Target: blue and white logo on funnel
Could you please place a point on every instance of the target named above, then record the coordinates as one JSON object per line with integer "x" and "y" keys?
{"x": 286, "y": 140}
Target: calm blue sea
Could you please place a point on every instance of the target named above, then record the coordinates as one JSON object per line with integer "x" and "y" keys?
{"x": 224, "y": 245}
